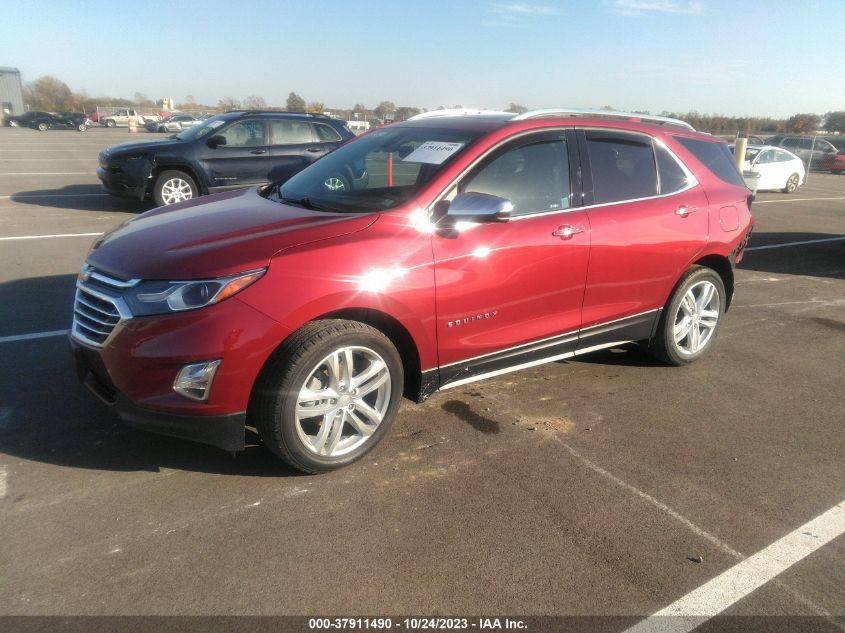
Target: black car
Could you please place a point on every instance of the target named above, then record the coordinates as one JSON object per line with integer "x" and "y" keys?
{"x": 66, "y": 120}
{"x": 228, "y": 151}
{"x": 22, "y": 120}
{"x": 804, "y": 147}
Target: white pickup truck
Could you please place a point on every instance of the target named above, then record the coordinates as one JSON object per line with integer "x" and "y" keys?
{"x": 121, "y": 116}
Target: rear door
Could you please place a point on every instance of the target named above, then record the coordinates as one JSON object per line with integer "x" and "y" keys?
{"x": 242, "y": 161}
{"x": 648, "y": 218}
{"x": 293, "y": 146}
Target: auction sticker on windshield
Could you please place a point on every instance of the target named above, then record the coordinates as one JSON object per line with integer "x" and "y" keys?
{"x": 432, "y": 152}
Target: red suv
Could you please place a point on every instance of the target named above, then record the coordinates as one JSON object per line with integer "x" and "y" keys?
{"x": 425, "y": 255}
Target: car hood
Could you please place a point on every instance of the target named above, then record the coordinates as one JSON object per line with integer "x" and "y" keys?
{"x": 128, "y": 148}
{"x": 214, "y": 236}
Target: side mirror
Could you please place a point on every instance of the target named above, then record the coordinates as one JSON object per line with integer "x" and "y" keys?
{"x": 477, "y": 207}
{"x": 216, "y": 141}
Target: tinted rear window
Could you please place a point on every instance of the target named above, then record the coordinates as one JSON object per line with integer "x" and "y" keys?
{"x": 622, "y": 166}
{"x": 716, "y": 157}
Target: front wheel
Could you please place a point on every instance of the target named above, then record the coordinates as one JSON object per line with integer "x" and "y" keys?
{"x": 174, "y": 186}
{"x": 42, "y": 127}
{"x": 336, "y": 183}
{"x": 110, "y": 123}
{"x": 791, "y": 184}
{"x": 692, "y": 317}
{"x": 329, "y": 395}
{"x": 81, "y": 127}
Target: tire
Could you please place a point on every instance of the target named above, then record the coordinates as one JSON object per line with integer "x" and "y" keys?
{"x": 43, "y": 127}
{"x": 337, "y": 182}
{"x": 342, "y": 428}
{"x": 694, "y": 309}
{"x": 174, "y": 186}
{"x": 110, "y": 123}
{"x": 81, "y": 127}
{"x": 792, "y": 183}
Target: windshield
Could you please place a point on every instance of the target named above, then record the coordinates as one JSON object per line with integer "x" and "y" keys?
{"x": 198, "y": 131}
{"x": 376, "y": 172}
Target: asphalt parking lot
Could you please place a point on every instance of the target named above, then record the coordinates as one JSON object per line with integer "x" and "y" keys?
{"x": 611, "y": 485}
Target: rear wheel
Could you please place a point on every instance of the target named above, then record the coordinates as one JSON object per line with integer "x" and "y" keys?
{"x": 174, "y": 186}
{"x": 329, "y": 395}
{"x": 42, "y": 127}
{"x": 110, "y": 123}
{"x": 336, "y": 182}
{"x": 81, "y": 127}
{"x": 791, "y": 184}
{"x": 692, "y": 317}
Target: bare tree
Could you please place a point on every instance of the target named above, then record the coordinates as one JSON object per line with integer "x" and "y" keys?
{"x": 316, "y": 107}
{"x": 295, "y": 103}
{"x": 516, "y": 108}
{"x": 229, "y": 103}
{"x": 254, "y": 102}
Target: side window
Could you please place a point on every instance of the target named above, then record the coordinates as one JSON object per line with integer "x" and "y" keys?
{"x": 244, "y": 134}
{"x": 824, "y": 146}
{"x": 326, "y": 133}
{"x": 782, "y": 157}
{"x": 766, "y": 157}
{"x": 622, "y": 166}
{"x": 672, "y": 177}
{"x": 805, "y": 143}
{"x": 284, "y": 132}
{"x": 790, "y": 143}
{"x": 534, "y": 177}
{"x": 716, "y": 157}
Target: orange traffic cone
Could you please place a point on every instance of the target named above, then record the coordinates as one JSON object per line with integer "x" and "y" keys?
{"x": 133, "y": 125}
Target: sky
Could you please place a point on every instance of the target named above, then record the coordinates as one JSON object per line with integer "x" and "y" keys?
{"x": 732, "y": 57}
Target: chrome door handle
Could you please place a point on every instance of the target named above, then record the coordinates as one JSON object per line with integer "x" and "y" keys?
{"x": 258, "y": 151}
{"x": 684, "y": 211}
{"x": 566, "y": 231}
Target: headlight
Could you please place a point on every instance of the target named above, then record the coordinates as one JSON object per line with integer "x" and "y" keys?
{"x": 163, "y": 297}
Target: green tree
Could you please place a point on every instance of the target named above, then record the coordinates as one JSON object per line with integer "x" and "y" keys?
{"x": 295, "y": 103}
{"x": 403, "y": 113}
{"x": 803, "y": 123}
{"x": 835, "y": 121}
{"x": 384, "y": 108}
{"x": 516, "y": 108}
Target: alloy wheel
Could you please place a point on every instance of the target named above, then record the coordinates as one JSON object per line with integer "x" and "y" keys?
{"x": 176, "y": 190}
{"x": 343, "y": 401}
{"x": 697, "y": 317}
{"x": 334, "y": 183}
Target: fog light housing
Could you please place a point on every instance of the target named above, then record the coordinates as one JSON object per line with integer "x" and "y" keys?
{"x": 194, "y": 381}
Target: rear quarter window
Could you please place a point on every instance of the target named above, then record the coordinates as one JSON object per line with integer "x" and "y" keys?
{"x": 716, "y": 157}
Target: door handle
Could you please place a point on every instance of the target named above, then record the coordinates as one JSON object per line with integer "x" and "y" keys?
{"x": 314, "y": 150}
{"x": 258, "y": 151}
{"x": 684, "y": 211}
{"x": 567, "y": 231}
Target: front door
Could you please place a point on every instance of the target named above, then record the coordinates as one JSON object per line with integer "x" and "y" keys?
{"x": 509, "y": 294}
{"x": 243, "y": 160}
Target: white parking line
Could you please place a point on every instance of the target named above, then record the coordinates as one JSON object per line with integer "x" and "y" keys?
{"x": 32, "y": 337}
{"x": 42, "y": 237}
{"x": 731, "y": 586}
{"x": 2, "y": 482}
{"x": 93, "y": 159}
{"x": 786, "y": 244}
{"x": 756, "y": 202}
{"x": 49, "y": 173}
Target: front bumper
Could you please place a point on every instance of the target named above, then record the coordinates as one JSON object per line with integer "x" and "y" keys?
{"x": 123, "y": 184}
{"x": 223, "y": 431}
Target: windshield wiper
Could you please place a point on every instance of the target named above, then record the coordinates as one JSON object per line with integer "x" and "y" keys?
{"x": 306, "y": 203}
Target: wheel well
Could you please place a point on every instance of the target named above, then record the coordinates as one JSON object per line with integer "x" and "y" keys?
{"x": 722, "y": 266}
{"x": 397, "y": 334}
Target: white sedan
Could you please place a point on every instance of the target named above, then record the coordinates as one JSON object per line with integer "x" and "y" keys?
{"x": 778, "y": 169}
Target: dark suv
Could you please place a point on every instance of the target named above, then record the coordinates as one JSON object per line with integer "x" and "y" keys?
{"x": 804, "y": 147}
{"x": 229, "y": 151}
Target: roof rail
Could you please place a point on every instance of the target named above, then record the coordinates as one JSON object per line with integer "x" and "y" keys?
{"x": 603, "y": 114}
{"x": 266, "y": 111}
{"x": 454, "y": 112}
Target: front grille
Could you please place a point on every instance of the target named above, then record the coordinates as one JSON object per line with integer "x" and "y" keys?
{"x": 98, "y": 307}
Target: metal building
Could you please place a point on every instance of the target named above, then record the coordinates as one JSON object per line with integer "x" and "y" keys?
{"x": 11, "y": 99}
